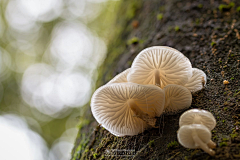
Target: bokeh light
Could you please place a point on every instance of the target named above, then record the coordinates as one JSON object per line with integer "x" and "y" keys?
{"x": 71, "y": 44}
{"x": 86, "y": 10}
{"x": 17, "y": 140}
{"x": 62, "y": 147}
{"x": 41, "y": 10}
{"x": 18, "y": 18}
{"x": 5, "y": 63}
{"x": 49, "y": 56}
{"x": 51, "y": 92}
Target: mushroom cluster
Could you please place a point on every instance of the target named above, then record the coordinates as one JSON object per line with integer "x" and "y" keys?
{"x": 195, "y": 130}
{"x": 160, "y": 79}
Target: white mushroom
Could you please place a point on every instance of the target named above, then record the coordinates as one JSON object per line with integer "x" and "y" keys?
{"x": 176, "y": 98}
{"x": 197, "y": 81}
{"x": 197, "y": 116}
{"x": 195, "y": 136}
{"x": 160, "y": 65}
{"x": 125, "y": 108}
{"x": 121, "y": 77}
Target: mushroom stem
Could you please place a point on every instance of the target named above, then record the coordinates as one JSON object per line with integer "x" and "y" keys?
{"x": 201, "y": 144}
{"x": 197, "y": 120}
{"x": 140, "y": 114}
{"x": 211, "y": 144}
{"x": 157, "y": 77}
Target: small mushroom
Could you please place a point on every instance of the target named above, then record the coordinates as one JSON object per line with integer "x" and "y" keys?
{"x": 197, "y": 81}
{"x": 127, "y": 108}
{"x": 176, "y": 98}
{"x": 196, "y": 136}
{"x": 161, "y": 66}
{"x": 197, "y": 116}
{"x": 121, "y": 77}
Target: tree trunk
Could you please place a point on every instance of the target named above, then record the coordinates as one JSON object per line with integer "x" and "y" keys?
{"x": 207, "y": 32}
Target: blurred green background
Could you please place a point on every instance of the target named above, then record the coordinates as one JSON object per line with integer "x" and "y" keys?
{"x": 50, "y": 51}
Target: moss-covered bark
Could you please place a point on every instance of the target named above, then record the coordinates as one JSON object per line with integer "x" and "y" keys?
{"x": 207, "y": 32}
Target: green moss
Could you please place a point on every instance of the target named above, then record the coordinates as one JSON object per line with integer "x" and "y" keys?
{"x": 176, "y": 28}
{"x": 194, "y": 152}
{"x": 238, "y": 9}
{"x": 79, "y": 151}
{"x": 170, "y": 28}
{"x": 237, "y": 123}
{"x": 132, "y": 9}
{"x": 173, "y": 144}
{"x": 236, "y": 94}
{"x": 133, "y": 40}
{"x": 232, "y": 78}
{"x": 213, "y": 43}
{"x": 225, "y": 108}
{"x": 76, "y": 154}
{"x": 162, "y": 8}
{"x": 95, "y": 155}
{"x": 223, "y": 7}
{"x": 234, "y": 135}
{"x": 200, "y": 6}
{"x": 83, "y": 122}
{"x": 129, "y": 63}
{"x": 151, "y": 143}
{"x": 223, "y": 121}
{"x": 226, "y": 103}
{"x": 197, "y": 21}
{"x": 160, "y": 16}
{"x": 223, "y": 144}
{"x": 225, "y": 139}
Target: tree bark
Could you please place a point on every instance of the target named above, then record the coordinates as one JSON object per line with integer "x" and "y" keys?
{"x": 207, "y": 32}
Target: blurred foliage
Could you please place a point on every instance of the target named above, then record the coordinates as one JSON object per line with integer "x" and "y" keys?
{"x": 25, "y": 40}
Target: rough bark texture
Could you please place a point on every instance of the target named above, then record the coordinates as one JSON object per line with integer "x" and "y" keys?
{"x": 207, "y": 32}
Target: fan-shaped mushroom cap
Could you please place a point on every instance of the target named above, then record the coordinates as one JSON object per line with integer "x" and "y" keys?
{"x": 185, "y": 135}
{"x": 197, "y": 81}
{"x": 160, "y": 64}
{"x": 176, "y": 98}
{"x": 197, "y": 116}
{"x": 121, "y": 77}
{"x": 110, "y": 106}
